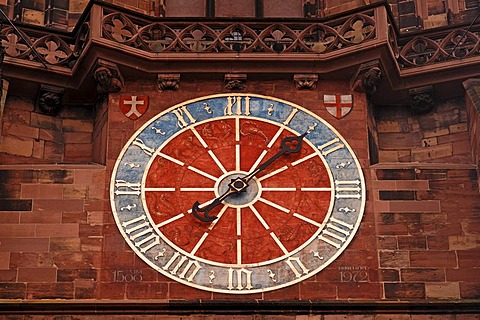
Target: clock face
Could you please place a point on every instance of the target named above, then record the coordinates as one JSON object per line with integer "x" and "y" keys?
{"x": 237, "y": 193}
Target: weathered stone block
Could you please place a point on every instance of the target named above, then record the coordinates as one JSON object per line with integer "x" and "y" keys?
{"x": 404, "y": 290}
{"x": 433, "y": 152}
{"x": 16, "y": 146}
{"x": 443, "y": 290}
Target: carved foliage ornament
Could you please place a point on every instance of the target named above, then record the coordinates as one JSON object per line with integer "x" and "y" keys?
{"x": 235, "y": 81}
{"x": 168, "y": 81}
{"x": 49, "y": 99}
{"x": 422, "y": 100}
{"x": 305, "y": 81}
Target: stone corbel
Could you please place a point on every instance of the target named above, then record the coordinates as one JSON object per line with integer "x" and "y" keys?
{"x": 422, "y": 100}
{"x": 305, "y": 81}
{"x": 235, "y": 81}
{"x": 49, "y": 99}
{"x": 108, "y": 77}
{"x": 367, "y": 78}
{"x": 168, "y": 81}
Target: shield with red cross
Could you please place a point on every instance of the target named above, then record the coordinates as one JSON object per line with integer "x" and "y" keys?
{"x": 133, "y": 107}
{"x": 338, "y": 105}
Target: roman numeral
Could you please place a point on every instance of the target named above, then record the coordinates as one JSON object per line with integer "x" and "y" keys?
{"x": 147, "y": 150}
{"x": 331, "y": 146}
{"x": 347, "y": 189}
{"x": 336, "y": 232}
{"x": 240, "y": 108}
{"x": 298, "y": 267}
{"x": 242, "y": 278}
{"x": 141, "y": 233}
{"x": 129, "y": 188}
{"x": 184, "y": 265}
{"x": 184, "y": 117}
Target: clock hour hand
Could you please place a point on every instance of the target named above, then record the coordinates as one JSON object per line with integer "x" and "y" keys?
{"x": 235, "y": 186}
{"x": 288, "y": 145}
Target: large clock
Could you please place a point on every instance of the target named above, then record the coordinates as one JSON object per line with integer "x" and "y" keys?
{"x": 237, "y": 193}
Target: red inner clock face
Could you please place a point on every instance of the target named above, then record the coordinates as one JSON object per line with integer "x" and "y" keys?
{"x": 281, "y": 209}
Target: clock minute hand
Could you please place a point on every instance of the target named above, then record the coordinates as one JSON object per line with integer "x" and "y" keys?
{"x": 288, "y": 145}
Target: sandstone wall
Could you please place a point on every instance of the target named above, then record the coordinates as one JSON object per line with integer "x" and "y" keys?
{"x": 419, "y": 239}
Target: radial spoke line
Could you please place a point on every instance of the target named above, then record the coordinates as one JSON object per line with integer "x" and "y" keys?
{"x": 219, "y": 216}
{"x": 237, "y": 129}
{"x": 197, "y": 189}
{"x": 279, "y": 189}
{"x": 239, "y": 251}
{"x": 259, "y": 217}
{"x": 260, "y": 158}
{"x": 264, "y": 152}
{"x": 203, "y": 173}
{"x": 303, "y": 159}
{"x": 279, "y": 243}
{"x": 210, "y": 152}
{"x": 164, "y": 223}
{"x": 237, "y": 157}
{"x": 313, "y": 222}
{"x": 271, "y": 174}
{"x": 199, "y": 137}
{"x": 239, "y": 222}
{"x": 199, "y": 243}
{"x": 159, "y": 189}
{"x": 274, "y": 205}
{"x": 317, "y": 189}
{"x": 217, "y": 161}
{"x": 275, "y": 137}
{"x": 165, "y": 156}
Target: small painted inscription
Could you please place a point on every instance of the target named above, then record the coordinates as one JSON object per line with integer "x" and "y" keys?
{"x": 127, "y": 276}
{"x": 353, "y": 274}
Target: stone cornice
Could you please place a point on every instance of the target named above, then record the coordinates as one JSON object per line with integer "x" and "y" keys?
{"x": 245, "y": 307}
{"x": 333, "y": 46}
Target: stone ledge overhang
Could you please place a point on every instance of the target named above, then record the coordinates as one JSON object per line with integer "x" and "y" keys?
{"x": 241, "y": 307}
{"x": 144, "y": 46}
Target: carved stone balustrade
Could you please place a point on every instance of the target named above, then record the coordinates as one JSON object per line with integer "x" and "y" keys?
{"x": 153, "y": 45}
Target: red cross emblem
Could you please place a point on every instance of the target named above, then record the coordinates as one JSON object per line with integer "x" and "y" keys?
{"x": 338, "y": 105}
{"x": 133, "y": 107}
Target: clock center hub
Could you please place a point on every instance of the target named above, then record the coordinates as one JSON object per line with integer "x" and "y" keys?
{"x": 245, "y": 195}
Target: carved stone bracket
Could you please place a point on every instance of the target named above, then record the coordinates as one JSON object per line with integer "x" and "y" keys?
{"x": 422, "y": 100}
{"x": 305, "y": 81}
{"x": 108, "y": 77}
{"x": 168, "y": 81}
{"x": 367, "y": 78}
{"x": 235, "y": 81}
{"x": 49, "y": 99}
